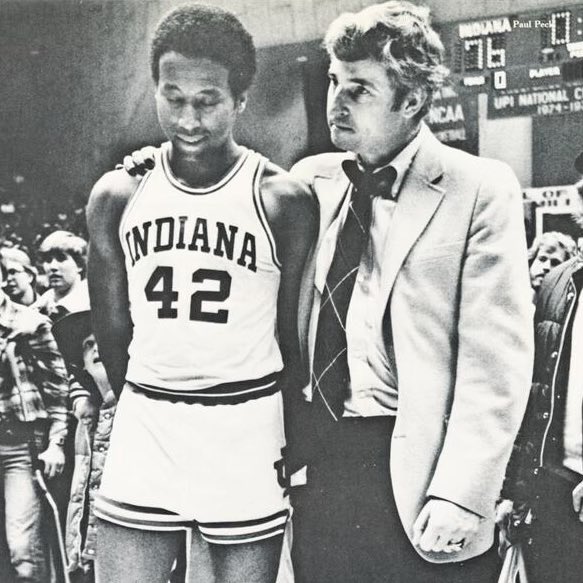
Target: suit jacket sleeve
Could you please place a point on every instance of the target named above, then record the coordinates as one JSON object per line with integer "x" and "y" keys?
{"x": 495, "y": 346}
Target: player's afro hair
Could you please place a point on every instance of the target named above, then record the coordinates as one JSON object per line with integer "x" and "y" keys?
{"x": 201, "y": 31}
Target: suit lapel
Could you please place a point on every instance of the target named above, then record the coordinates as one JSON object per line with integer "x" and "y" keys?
{"x": 419, "y": 198}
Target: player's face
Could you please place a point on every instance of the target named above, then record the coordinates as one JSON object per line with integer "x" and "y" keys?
{"x": 196, "y": 108}
{"x": 17, "y": 281}
{"x": 548, "y": 256}
{"x": 61, "y": 269}
{"x": 362, "y": 115}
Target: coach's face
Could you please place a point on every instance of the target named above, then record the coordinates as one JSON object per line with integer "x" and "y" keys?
{"x": 196, "y": 108}
{"x": 362, "y": 114}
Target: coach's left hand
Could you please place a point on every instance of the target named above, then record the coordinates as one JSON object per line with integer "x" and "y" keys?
{"x": 443, "y": 526}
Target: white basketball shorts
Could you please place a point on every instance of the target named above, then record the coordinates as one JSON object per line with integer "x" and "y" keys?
{"x": 175, "y": 465}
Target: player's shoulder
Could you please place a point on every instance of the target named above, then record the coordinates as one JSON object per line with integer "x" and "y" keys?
{"x": 326, "y": 165}
{"x": 281, "y": 184}
{"x": 286, "y": 199}
{"x": 115, "y": 184}
{"x": 111, "y": 194}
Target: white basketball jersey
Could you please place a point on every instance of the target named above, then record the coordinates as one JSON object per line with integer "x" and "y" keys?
{"x": 203, "y": 280}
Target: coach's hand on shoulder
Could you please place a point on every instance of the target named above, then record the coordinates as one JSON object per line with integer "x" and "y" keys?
{"x": 139, "y": 161}
{"x": 444, "y": 527}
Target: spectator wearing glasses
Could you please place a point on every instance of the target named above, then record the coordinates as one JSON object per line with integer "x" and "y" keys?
{"x": 19, "y": 276}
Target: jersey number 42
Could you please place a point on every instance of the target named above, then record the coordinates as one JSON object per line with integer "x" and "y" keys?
{"x": 160, "y": 289}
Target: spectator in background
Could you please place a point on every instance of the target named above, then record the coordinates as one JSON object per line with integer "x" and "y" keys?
{"x": 548, "y": 251}
{"x": 545, "y": 476}
{"x": 93, "y": 404}
{"x": 19, "y": 276}
{"x": 33, "y": 426}
{"x": 63, "y": 258}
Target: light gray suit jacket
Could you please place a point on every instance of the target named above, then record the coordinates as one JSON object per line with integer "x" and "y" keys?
{"x": 457, "y": 290}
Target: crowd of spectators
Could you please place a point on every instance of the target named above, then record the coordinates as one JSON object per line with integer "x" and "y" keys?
{"x": 27, "y": 218}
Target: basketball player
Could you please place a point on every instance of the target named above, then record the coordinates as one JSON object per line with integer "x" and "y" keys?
{"x": 194, "y": 276}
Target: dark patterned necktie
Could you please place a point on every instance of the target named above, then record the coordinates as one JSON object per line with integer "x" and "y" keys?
{"x": 331, "y": 378}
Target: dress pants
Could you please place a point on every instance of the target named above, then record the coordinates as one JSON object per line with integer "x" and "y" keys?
{"x": 346, "y": 525}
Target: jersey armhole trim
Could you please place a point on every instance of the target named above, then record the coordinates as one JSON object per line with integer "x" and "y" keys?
{"x": 131, "y": 203}
{"x": 260, "y": 209}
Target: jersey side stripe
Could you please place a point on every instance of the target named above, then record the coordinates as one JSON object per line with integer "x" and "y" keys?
{"x": 260, "y": 209}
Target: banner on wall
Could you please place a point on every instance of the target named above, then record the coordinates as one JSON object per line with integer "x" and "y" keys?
{"x": 535, "y": 101}
{"x": 554, "y": 209}
{"x": 453, "y": 118}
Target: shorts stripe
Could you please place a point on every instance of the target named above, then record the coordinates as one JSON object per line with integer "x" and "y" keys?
{"x": 156, "y": 519}
{"x": 223, "y": 394}
{"x": 141, "y": 517}
{"x": 277, "y": 516}
{"x": 244, "y": 531}
{"x": 244, "y": 538}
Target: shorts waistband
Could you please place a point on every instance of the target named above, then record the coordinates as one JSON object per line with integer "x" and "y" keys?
{"x": 231, "y": 393}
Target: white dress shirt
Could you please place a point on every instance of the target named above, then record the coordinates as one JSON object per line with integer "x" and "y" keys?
{"x": 373, "y": 375}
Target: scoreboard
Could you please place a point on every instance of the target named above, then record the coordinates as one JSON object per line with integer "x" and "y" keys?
{"x": 528, "y": 64}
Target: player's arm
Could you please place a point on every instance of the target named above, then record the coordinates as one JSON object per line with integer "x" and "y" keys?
{"x": 107, "y": 275}
{"x": 293, "y": 217}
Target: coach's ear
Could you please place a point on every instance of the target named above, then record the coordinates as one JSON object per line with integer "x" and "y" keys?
{"x": 139, "y": 161}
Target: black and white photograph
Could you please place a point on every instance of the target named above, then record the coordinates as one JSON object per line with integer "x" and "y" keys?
{"x": 290, "y": 291}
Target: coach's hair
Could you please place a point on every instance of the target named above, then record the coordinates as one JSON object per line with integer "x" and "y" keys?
{"x": 555, "y": 239}
{"x": 68, "y": 243}
{"x": 398, "y": 35}
{"x": 201, "y": 31}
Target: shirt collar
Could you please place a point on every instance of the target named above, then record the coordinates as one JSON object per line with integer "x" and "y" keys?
{"x": 403, "y": 160}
